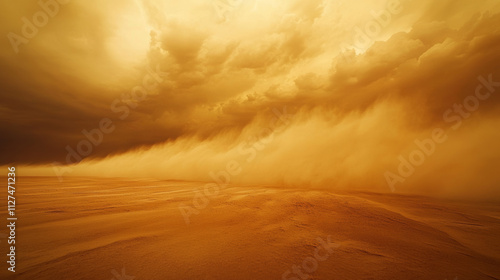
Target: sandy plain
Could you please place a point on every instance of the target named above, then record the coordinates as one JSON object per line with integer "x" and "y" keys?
{"x": 123, "y": 229}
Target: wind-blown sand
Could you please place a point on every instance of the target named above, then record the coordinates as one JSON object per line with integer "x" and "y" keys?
{"x": 93, "y": 228}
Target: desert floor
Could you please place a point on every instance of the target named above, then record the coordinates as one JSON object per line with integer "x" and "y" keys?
{"x": 123, "y": 229}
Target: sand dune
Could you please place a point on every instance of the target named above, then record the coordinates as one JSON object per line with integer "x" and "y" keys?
{"x": 93, "y": 228}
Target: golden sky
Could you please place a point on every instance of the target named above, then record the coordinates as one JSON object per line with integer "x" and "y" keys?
{"x": 302, "y": 93}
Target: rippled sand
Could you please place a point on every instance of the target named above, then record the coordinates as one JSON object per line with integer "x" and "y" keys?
{"x": 93, "y": 228}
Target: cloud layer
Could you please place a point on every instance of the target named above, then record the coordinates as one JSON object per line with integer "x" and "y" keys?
{"x": 306, "y": 93}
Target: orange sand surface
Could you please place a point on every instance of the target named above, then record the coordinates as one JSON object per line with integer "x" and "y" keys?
{"x": 95, "y": 228}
